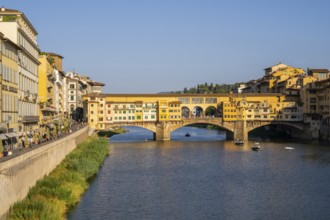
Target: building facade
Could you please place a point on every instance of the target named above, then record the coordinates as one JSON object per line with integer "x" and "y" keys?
{"x": 105, "y": 110}
{"x": 46, "y": 90}
{"x": 59, "y": 86}
{"x": 16, "y": 27}
{"x": 75, "y": 102}
{"x": 9, "y": 85}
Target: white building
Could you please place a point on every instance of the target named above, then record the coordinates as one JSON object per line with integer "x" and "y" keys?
{"x": 75, "y": 102}
{"x": 149, "y": 112}
{"x": 123, "y": 112}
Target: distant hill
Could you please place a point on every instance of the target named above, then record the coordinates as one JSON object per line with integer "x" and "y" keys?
{"x": 206, "y": 89}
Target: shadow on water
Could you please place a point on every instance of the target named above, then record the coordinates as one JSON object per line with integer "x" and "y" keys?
{"x": 317, "y": 158}
{"x": 136, "y": 134}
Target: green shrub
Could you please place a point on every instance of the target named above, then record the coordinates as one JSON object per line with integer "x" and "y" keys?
{"x": 9, "y": 18}
{"x": 119, "y": 130}
{"x": 38, "y": 208}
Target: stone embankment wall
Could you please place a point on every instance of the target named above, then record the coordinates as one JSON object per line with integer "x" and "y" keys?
{"x": 20, "y": 173}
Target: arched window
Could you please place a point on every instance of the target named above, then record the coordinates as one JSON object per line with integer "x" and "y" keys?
{"x": 185, "y": 112}
{"x": 72, "y": 108}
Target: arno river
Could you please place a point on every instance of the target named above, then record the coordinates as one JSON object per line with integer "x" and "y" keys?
{"x": 206, "y": 177}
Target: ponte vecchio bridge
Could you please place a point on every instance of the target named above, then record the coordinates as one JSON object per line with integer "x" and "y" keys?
{"x": 237, "y": 114}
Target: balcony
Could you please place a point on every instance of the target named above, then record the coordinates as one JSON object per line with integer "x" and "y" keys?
{"x": 59, "y": 81}
{"x": 34, "y": 97}
{"x": 47, "y": 118}
{"x": 45, "y": 107}
{"x": 30, "y": 119}
{"x": 27, "y": 94}
{"x": 50, "y": 76}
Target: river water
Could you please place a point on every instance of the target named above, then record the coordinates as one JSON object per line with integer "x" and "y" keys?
{"x": 206, "y": 177}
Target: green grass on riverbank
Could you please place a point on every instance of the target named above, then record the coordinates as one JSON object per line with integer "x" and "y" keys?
{"x": 110, "y": 133}
{"x": 52, "y": 196}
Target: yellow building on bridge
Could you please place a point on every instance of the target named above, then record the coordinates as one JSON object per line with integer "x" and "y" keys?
{"x": 106, "y": 110}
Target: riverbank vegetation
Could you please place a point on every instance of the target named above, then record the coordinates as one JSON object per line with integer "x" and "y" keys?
{"x": 110, "y": 133}
{"x": 52, "y": 196}
{"x": 207, "y": 126}
{"x": 211, "y": 88}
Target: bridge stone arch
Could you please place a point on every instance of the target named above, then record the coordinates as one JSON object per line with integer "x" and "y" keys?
{"x": 233, "y": 129}
{"x": 258, "y": 124}
{"x": 227, "y": 127}
{"x": 149, "y": 126}
{"x": 175, "y": 127}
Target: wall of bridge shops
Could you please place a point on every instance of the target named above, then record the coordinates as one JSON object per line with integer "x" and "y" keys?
{"x": 20, "y": 173}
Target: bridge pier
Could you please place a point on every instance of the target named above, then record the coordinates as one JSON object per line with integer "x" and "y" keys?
{"x": 162, "y": 132}
{"x": 229, "y": 135}
{"x": 240, "y": 130}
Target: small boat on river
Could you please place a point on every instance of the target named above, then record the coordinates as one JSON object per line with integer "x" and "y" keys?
{"x": 238, "y": 141}
{"x": 187, "y": 135}
{"x": 256, "y": 146}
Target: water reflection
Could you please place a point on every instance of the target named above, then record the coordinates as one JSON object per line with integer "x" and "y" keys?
{"x": 201, "y": 179}
{"x": 230, "y": 146}
{"x": 318, "y": 157}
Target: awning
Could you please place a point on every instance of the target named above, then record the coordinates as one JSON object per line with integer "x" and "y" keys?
{"x": 3, "y": 137}
{"x": 10, "y": 135}
{"x": 15, "y": 134}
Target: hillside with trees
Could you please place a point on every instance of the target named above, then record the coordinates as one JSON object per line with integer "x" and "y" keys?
{"x": 211, "y": 88}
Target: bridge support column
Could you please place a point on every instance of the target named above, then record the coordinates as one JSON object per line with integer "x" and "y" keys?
{"x": 162, "y": 132}
{"x": 240, "y": 130}
{"x": 229, "y": 135}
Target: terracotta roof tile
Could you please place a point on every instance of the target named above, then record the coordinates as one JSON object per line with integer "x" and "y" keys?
{"x": 319, "y": 70}
{"x": 93, "y": 83}
{"x": 2, "y": 9}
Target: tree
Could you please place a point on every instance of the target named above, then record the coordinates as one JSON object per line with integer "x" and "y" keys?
{"x": 212, "y": 88}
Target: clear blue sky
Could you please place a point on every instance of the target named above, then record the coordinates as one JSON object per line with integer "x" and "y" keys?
{"x": 149, "y": 46}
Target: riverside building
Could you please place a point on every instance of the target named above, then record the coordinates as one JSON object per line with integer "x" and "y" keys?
{"x": 16, "y": 27}
{"x": 9, "y": 85}
{"x": 59, "y": 86}
{"x": 46, "y": 90}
